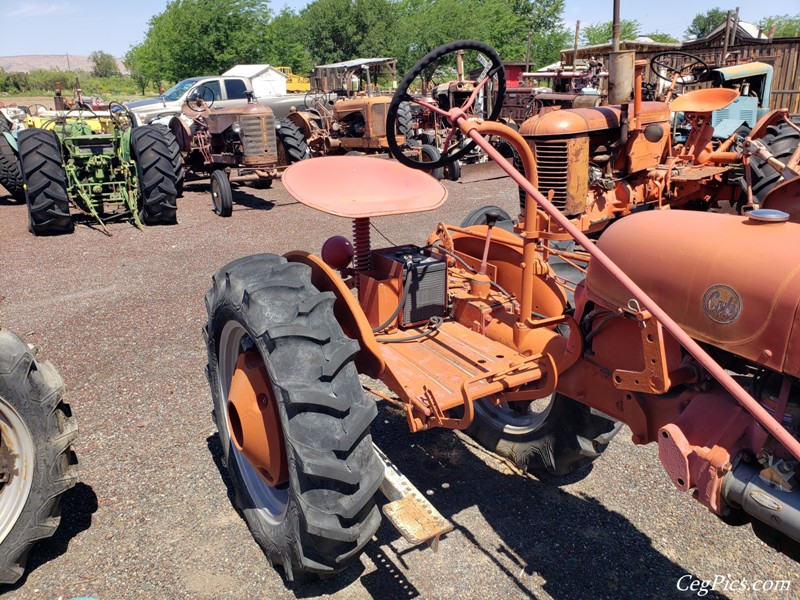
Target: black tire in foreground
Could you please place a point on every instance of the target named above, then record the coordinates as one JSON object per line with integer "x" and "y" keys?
{"x": 221, "y": 194}
{"x": 294, "y": 143}
{"x": 10, "y": 175}
{"x": 175, "y": 157}
{"x": 319, "y": 521}
{"x": 45, "y": 182}
{"x": 781, "y": 140}
{"x": 36, "y": 432}
{"x": 157, "y": 187}
{"x": 549, "y": 438}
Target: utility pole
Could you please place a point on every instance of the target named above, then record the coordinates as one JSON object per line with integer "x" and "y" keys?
{"x": 68, "y": 67}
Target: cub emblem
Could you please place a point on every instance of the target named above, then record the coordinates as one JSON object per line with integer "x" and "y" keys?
{"x": 722, "y": 304}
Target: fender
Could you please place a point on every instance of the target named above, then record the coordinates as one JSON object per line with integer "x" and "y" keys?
{"x": 179, "y": 129}
{"x": 12, "y": 141}
{"x": 348, "y": 312}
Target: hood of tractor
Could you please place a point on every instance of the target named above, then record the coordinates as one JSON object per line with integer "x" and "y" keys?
{"x": 727, "y": 280}
{"x": 582, "y": 120}
{"x": 220, "y": 119}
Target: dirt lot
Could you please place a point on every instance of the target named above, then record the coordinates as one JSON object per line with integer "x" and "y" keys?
{"x": 152, "y": 517}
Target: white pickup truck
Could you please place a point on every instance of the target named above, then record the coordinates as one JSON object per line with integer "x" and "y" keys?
{"x": 218, "y": 91}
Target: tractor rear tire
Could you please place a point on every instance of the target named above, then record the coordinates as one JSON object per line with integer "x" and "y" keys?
{"x": 432, "y": 154}
{"x": 405, "y": 119}
{"x": 176, "y": 158}
{"x": 221, "y": 194}
{"x": 564, "y": 437}
{"x": 157, "y": 185}
{"x": 10, "y": 175}
{"x": 45, "y": 182}
{"x": 781, "y": 140}
{"x": 36, "y": 432}
{"x": 294, "y": 143}
{"x": 321, "y": 519}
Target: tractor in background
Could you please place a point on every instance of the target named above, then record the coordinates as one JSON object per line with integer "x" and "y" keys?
{"x": 234, "y": 144}
{"x": 471, "y": 330}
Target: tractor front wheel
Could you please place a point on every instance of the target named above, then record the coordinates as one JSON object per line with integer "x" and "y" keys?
{"x": 221, "y": 194}
{"x": 157, "y": 183}
{"x": 548, "y": 438}
{"x": 37, "y": 464}
{"x": 293, "y": 421}
{"x": 431, "y": 154}
{"x": 45, "y": 182}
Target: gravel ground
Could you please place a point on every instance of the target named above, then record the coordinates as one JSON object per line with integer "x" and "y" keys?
{"x": 121, "y": 318}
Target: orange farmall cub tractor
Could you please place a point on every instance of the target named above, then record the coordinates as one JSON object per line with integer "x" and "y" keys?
{"x": 470, "y": 330}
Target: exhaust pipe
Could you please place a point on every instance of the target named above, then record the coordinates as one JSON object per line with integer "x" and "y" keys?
{"x": 743, "y": 487}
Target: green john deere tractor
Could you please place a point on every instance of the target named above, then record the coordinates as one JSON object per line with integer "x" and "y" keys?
{"x": 98, "y": 162}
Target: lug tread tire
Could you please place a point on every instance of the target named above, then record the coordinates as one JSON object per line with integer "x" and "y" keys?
{"x": 334, "y": 472}
{"x": 157, "y": 187}
{"x": 405, "y": 119}
{"x": 569, "y": 438}
{"x": 10, "y": 174}
{"x": 781, "y": 140}
{"x": 294, "y": 143}
{"x": 176, "y": 158}
{"x": 36, "y": 392}
{"x": 45, "y": 182}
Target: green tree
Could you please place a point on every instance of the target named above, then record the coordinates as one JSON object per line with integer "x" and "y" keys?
{"x": 105, "y": 65}
{"x": 705, "y": 23}
{"x": 337, "y": 30}
{"x": 200, "y": 37}
{"x": 785, "y": 25}
{"x": 601, "y": 33}
{"x": 662, "y": 37}
{"x": 285, "y": 37}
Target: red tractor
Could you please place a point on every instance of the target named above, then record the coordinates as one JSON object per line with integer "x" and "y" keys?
{"x": 472, "y": 331}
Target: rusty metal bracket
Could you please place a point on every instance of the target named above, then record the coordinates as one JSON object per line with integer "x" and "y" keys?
{"x": 654, "y": 379}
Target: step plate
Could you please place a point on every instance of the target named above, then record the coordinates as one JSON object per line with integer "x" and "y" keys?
{"x": 417, "y": 520}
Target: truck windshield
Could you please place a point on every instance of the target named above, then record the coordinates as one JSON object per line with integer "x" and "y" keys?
{"x": 180, "y": 88}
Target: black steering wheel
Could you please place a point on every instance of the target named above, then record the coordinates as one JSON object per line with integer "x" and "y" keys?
{"x": 118, "y": 112}
{"x": 200, "y": 99}
{"x": 492, "y": 71}
{"x": 692, "y": 65}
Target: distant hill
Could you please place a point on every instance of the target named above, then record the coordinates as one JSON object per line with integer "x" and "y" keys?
{"x": 27, "y": 63}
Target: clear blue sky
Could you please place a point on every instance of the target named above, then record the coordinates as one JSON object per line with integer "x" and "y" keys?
{"x": 82, "y": 26}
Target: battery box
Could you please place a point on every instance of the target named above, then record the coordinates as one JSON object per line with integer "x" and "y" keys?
{"x": 427, "y": 296}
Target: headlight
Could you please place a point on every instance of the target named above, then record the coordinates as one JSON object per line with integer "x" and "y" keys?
{"x": 236, "y": 128}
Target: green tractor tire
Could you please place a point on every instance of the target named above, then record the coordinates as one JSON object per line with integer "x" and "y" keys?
{"x": 45, "y": 182}
{"x": 157, "y": 185}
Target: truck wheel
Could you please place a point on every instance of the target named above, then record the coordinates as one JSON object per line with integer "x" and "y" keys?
{"x": 157, "y": 191}
{"x": 549, "y": 438}
{"x": 10, "y": 175}
{"x": 405, "y": 119}
{"x": 781, "y": 140}
{"x": 294, "y": 143}
{"x": 432, "y": 154}
{"x": 293, "y": 420}
{"x": 221, "y": 194}
{"x": 175, "y": 157}
{"x": 45, "y": 182}
{"x": 37, "y": 464}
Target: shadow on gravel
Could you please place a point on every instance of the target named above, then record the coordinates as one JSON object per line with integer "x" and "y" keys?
{"x": 577, "y": 546}
{"x": 77, "y": 507}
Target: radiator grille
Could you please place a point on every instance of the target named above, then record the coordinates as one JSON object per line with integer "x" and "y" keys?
{"x": 552, "y": 166}
{"x": 379, "y": 119}
{"x": 258, "y": 135}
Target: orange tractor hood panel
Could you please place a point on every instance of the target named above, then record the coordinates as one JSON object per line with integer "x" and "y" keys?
{"x": 580, "y": 120}
{"x": 725, "y": 279}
